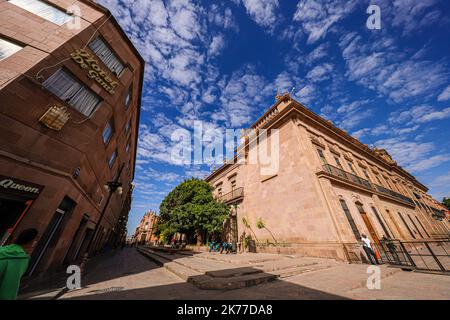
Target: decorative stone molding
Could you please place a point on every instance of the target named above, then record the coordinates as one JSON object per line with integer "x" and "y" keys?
{"x": 334, "y": 150}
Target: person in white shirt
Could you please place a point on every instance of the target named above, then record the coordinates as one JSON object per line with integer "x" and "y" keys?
{"x": 367, "y": 246}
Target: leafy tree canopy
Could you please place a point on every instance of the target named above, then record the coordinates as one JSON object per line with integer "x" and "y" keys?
{"x": 191, "y": 208}
{"x": 446, "y": 202}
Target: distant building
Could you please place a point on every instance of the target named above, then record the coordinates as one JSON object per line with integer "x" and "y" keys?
{"x": 329, "y": 189}
{"x": 70, "y": 92}
{"x": 144, "y": 233}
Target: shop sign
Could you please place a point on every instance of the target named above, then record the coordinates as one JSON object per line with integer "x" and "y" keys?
{"x": 11, "y": 184}
{"x": 86, "y": 61}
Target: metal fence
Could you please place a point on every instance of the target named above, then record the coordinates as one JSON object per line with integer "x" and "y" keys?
{"x": 432, "y": 255}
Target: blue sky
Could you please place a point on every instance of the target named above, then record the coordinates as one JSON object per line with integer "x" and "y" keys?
{"x": 221, "y": 62}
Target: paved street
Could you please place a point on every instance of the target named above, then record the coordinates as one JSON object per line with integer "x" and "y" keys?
{"x": 130, "y": 275}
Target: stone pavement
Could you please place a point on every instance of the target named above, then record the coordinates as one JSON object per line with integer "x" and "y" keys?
{"x": 131, "y": 275}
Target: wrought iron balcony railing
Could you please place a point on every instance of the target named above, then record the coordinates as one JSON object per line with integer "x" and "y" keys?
{"x": 233, "y": 195}
{"x": 349, "y": 177}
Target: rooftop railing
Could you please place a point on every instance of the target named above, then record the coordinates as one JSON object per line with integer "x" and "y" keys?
{"x": 354, "y": 179}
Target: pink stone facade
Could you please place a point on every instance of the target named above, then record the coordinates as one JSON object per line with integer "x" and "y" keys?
{"x": 302, "y": 203}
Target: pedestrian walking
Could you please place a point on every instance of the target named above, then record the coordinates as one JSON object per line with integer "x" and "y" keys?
{"x": 367, "y": 246}
{"x": 14, "y": 263}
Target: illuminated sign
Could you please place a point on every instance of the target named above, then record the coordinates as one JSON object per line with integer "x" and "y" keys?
{"x": 86, "y": 61}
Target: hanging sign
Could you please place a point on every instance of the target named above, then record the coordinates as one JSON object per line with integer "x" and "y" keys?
{"x": 86, "y": 61}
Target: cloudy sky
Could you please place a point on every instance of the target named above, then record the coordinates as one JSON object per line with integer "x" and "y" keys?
{"x": 221, "y": 62}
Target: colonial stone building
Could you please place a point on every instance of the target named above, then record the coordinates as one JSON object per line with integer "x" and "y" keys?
{"x": 70, "y": 88}
{"x": 144, "y": 231}
{"x": 329, "y": 188}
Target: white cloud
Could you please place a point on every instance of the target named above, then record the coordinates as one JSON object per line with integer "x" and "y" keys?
{"x": 263, "y": 12}
{"x": 418, "y": 114}
{"x": 320, "y": 72}
{"x": 378, "y": 66}
{"x": 445, "y": 95}
{"x": 216, "y": 45}
{"x": 317, "y": 17}
{"x": 413, "y": 155}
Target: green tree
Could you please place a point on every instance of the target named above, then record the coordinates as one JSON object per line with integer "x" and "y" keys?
{"x": 190, "y": 208}
{"x": 446, "y": 202}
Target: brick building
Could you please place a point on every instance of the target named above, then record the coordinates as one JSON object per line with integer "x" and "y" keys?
{"x": 328, "y": 189}
{"x": 70, "y": 92}
{"x": 144, "y": 233}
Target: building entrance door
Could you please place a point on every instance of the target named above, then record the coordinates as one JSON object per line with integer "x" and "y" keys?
{"x": 369, "y": 226}
{"x": 368, "y": 223}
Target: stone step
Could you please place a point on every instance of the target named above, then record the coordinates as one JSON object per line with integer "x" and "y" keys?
{"x": 290, "y": 272}
{"x": 233, "y": 282}
{"x": 235, "y": 272}
{"x": 282, "y": 265}
{"x": 154, "y": 257}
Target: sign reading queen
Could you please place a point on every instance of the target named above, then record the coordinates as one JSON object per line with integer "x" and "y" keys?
{"x": 10, "y": 184}
{"x": 85, "y": 60}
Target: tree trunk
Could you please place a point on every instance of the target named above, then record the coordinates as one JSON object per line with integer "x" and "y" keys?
{"x": 199, "y": 237}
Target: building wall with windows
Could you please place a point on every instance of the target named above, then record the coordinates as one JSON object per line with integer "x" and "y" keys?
{"x": 144, "y": 234}
{"x": 90, "y": 73}
{"x": 329, "y": 189}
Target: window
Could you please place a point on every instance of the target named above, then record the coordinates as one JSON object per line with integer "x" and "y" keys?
{"x": 102, "y": 51}
{"x": 350, "y": 165}
{"x": 378, "y": 179}
{"x": 7, "y": 49}
{"x": 423, "y": 228}
{"x": 366, "y": 174}
{"x": 387, "y": 233}
{"x": 219, "y": 192}
{"x": 127, "y": 148}
{"x": 417, "y": 229}
{"x": 407, "y": 227}
{"x": 43, "y": 10}
{"x": 350, "y": 219}
{"x": 107, "y": 132}
{"x": 127, "y": 126}
{"x": 233, "y": 185}
{"x": 338, "y": 163}
{"x": 322, "y": 156}
{"x": 63, "y": 85}
{"x": 128, "y": 99}
{"x": 112, "y": 158}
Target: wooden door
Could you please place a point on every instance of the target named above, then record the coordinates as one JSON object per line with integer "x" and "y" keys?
{"x": 369, "y": 226}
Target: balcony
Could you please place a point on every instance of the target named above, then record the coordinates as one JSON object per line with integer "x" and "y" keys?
{"x": 230, "y": 197}
{"x": 365, "y": 184}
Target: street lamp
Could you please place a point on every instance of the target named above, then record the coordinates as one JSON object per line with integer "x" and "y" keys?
{"x": 111, "y": 187}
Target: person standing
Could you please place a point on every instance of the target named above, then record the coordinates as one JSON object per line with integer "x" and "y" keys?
{"x": 14, "y": 263}
{"x": 367, "y": 246}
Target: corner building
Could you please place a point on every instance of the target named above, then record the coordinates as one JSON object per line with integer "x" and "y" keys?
{"x": 70, "y": 92}
{"x": 328, "y": 190}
